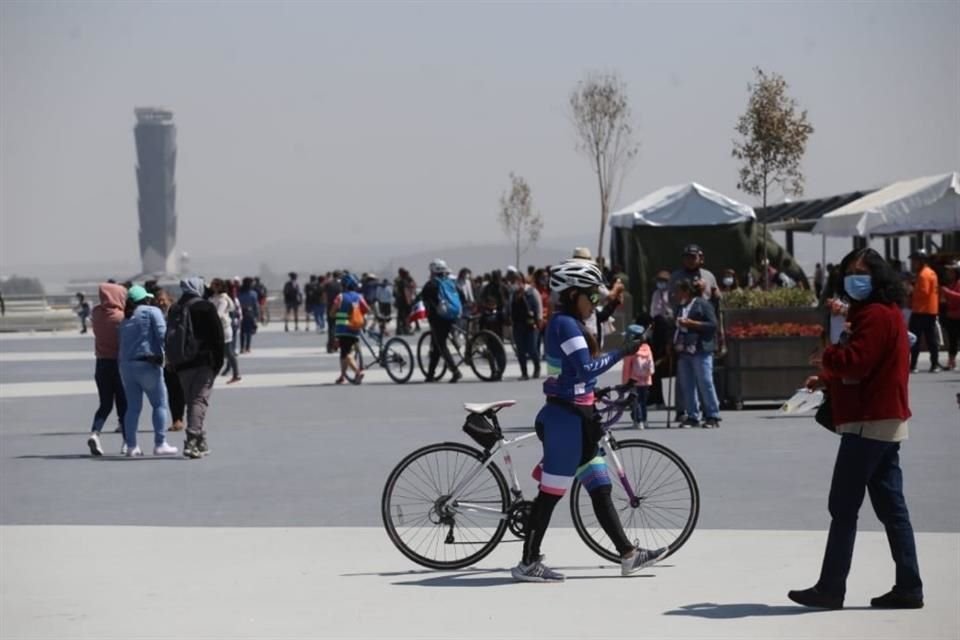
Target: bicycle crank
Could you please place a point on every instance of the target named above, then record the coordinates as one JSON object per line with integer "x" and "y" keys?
{"x": 518, "y": 518}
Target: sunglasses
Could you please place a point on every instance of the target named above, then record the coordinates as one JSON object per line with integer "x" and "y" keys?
{"x": 593, "y": 297}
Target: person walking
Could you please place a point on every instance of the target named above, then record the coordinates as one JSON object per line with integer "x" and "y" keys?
{"x": 525, "y": 316}
{"x": 263, "y": 313}
{"x": 292, "y": 299}
{"x": 106, "y": 319}
{"x": 351, "y": 311}
{"x": 195, "y": 345}
{"x": 950, "y": 294}
{"x": 924, "y": 306}
{"x": 865, "y": 377}
{"x": 229, "y": 315}
{"x": 250, "y": 313}
{"x": 331, "y": 291}
{"x": 569, "y": 427}
{"x": 442, "y": 303}
{"x": 818, "y": 280}
{"x": 384, "y": 298}
{"x": 311, "y": 299}
{"x": 320, "y": 308}
{"x": 175, "y": 402}
{"x": 141, "y": 355}
{"x": 695, "y": 343}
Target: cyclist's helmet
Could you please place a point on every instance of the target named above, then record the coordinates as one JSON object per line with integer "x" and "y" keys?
{"x": 439, "y": 268}
{"x": 575, "y": 274}
{"x": 350, "y": 282}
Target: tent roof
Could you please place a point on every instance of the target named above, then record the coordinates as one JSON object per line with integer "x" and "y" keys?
{"x": 801, "y": 215}
{"x": 931, "y": 203}
{"x": 683, "y": 205}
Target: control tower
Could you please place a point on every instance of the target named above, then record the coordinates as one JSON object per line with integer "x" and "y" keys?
{"x": 156, "y": 139}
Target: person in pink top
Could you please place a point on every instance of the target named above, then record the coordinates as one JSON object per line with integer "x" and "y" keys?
{"x": 107, "y": 317}
{"x": 639, "y": 368}
{"x": 950, "y": 295}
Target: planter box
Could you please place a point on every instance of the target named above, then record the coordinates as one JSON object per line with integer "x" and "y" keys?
{"x": 767, "y": 368}
{"x": 801, "y": 315}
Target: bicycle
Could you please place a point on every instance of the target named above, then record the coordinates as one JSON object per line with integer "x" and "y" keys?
{"x": 448, "y": 505}
{"x": 394, "y": 355}
{"x": 483, "y": 351}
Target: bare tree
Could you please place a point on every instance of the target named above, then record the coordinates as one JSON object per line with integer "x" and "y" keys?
{"x": 517, "y": 217}
{"x": 773, "y": 138}
{"x": 602, "y": 119}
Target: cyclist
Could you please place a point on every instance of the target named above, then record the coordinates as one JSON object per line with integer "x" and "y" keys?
{"x": 567, "y": 424}
{"x": 440, "y": 324}
{"x": 346, "y": 330}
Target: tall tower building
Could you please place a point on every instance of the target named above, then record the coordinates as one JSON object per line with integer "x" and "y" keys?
{"x": 156, "y": 138}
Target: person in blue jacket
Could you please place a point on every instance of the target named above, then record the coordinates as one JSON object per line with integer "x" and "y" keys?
{"x": 568, "y": 425}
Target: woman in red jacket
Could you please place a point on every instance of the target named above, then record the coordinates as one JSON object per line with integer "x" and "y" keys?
{"x": 866, "y": 380}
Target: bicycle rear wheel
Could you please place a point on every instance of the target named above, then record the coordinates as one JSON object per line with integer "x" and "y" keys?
{"x": 358, "y": 359}
{"x": 667, "y": 506}
{"x": 397, "y": 358}
{"x": 487, "y": 356}
{"x": 434, "y": 536}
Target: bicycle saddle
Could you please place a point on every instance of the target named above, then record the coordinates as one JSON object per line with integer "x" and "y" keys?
{"x": 484, "y": 407}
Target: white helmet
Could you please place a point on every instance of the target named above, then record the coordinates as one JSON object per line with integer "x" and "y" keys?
{"x": 574, "y": 273}
{"x": 439, "y": 268}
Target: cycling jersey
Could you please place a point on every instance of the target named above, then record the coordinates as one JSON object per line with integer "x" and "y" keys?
{"x": 571, "y": 371}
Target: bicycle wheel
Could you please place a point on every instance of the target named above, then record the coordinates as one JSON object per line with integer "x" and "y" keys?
{"x": 427, "y": 533}
{"x": 358, "y": 359}
{"x": 667, "y": 506}
{"x": 397, "y": 358}
{"x": 487, "y": 356}
{"x": 424, "y": 346}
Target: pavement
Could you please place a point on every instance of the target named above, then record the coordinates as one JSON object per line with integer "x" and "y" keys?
{"x": 277, "y": 534}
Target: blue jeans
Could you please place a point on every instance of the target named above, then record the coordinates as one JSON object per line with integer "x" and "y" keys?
{"x": 873, "y": 466}
{"x": 320, "y": 316}
{"x": 695, "y": 378}
{"x": 143, "y": 378}
{"x": 638, "y": 412}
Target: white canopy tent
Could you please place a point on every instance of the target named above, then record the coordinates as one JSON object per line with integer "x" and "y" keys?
{"x": 911, "y": 206}
{"x": 685, "y": 205}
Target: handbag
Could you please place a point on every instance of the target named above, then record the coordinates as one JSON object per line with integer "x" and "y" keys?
{"x": 824, "y": 415}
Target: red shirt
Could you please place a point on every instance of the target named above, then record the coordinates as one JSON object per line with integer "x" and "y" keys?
{"x": 867, "y": 377}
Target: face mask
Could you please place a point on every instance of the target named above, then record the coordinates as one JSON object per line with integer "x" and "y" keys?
{"x": 728, "y": 282}
{"x": 661, "y": 285}
{"x": 858, "y": 286}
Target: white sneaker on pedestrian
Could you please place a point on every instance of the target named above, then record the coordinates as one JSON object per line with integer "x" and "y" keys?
{"x": 641, "y": 425}
{"x": 123, "y": 449}
{"x": 165, "y": 449}
{"x": 135, "y": 452}
{"x": 94, "y": 443}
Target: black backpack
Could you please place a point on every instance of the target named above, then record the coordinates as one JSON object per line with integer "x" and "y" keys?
{"x": 180, "y": 343}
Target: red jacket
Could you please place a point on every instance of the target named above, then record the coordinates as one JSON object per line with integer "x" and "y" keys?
{"x": 867, "y": 377}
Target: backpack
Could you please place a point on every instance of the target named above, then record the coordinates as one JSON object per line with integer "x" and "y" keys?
{"x": 291, "y": 293}
{"x": 355, "y": 321}
{"x": 180, "y": 343}
{"x": 448, "y": 304}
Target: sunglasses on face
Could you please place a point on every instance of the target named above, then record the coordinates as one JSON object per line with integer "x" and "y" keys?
{"x": 593, "y": 297}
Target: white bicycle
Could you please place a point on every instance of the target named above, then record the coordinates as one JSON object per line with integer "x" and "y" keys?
{"x": 448, "y": 505}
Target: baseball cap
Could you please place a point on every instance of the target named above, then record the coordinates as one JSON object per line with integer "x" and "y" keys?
{"x": 692, "y": 250}
{"x": 138, "y": 293}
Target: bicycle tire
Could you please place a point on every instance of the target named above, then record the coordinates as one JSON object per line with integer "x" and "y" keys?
{"x": 350, "y": 375}
{"x": 424, "y": 345}
{"x": 396, "y": 358}
{"x": 486, "y": 355}
{"x": 645, "y": 536}
{"x": 391, "y": 505}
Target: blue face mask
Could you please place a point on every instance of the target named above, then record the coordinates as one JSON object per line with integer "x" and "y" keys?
{"x": 858, "y": 287}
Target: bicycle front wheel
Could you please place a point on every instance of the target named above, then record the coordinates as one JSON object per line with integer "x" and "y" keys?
{"x": 487, "y": 356}
{"x": 397, "y": 358}
{"x": 438, "y": 536}
{"x": 664, "y": 512}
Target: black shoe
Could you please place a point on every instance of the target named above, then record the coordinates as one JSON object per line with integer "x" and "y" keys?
{"x": 456, "y": 376}
{"x": 203, "y": 447}
{"x": 895, "y": 600}
{"x": 711, "y": 423}
{"x": 936, "y": 369}
{"x": 191, "y": 448}
{"x": 813, "y": 597}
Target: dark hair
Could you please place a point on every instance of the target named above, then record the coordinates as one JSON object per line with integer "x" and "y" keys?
{"x": 685, "y": 285}
{"x": 887, "y": 287}
{"x": 568, "y": 305}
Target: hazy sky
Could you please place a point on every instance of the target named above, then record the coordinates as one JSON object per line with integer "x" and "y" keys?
{"x": 376, "y": 123}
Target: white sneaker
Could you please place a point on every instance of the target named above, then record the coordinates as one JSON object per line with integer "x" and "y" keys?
{"x": 94, "y": 443}
{"x": 134, "y": 453}
{"x": 535, "y": 572}
{"x": 165, "y": 449}
{"x": 123, "y": 449}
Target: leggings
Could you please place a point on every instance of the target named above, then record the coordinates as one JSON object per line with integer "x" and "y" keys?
{"x": 110, "y": 388}
{"x": 174, "y": 394}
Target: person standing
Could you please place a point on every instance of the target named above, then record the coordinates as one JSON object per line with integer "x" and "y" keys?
{"x": 441, "y": 300}
{"x": 384, "y": 300}
{"x": 141, "y": 355}
{"x": 320, "y": 308}
{"x": 195, "y": 345}
{"x": 311, "y": 299}
{"x": 865, "y": 377}
{"x": 261, "y": 290}
{"x": 950, "y": 293}
{"x": 525, "y": 316}
{"x": 639, "y": 368}
{"x": 924, "y": 306}
{"x": 250, "y": 312}
{"x": 818, "y": 280}
{"x": 465, "y": 288}
{"x": 661, "y": 312}
{"x": 694, "y": 271}
{"x": 106, "y": 319}
{"x": 695, "y": 342}
{"x": 227, "y": 311}
{"x": 351, "y": 311}
{"x": 83, "y": 311}
{"x": 292, "y": 299}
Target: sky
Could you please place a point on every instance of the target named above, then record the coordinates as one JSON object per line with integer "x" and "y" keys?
{"x": 309, "y": 124}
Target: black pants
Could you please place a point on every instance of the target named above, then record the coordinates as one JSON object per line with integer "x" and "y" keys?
{"x": 110, "y": 389}
{"x": 174, "y": 394}
{"x": 952, "y": 328}
{"x": 439, "y": 332}
{"x": 924, "y": 325}
{"x": 873, "y": 466}
{"x": 331, "y": 334}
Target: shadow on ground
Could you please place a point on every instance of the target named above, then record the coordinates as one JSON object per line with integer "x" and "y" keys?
{"x": 714, "y": 611}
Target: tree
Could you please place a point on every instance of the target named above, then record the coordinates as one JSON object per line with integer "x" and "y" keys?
{"x": 773, "y": 138}
{"x": 602, "y": 120}
{"x": 519, "y": 221}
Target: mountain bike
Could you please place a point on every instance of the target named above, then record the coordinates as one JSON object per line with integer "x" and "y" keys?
{"x": 448, "y": 505}
{"x": 394, "y": 355}
{"x": 483, "y": 351}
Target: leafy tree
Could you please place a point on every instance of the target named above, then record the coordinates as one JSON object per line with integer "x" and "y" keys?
{"x": 602, "y": 119}
{"x": 517, "y": 217}
{"x": 773, "y": 138}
